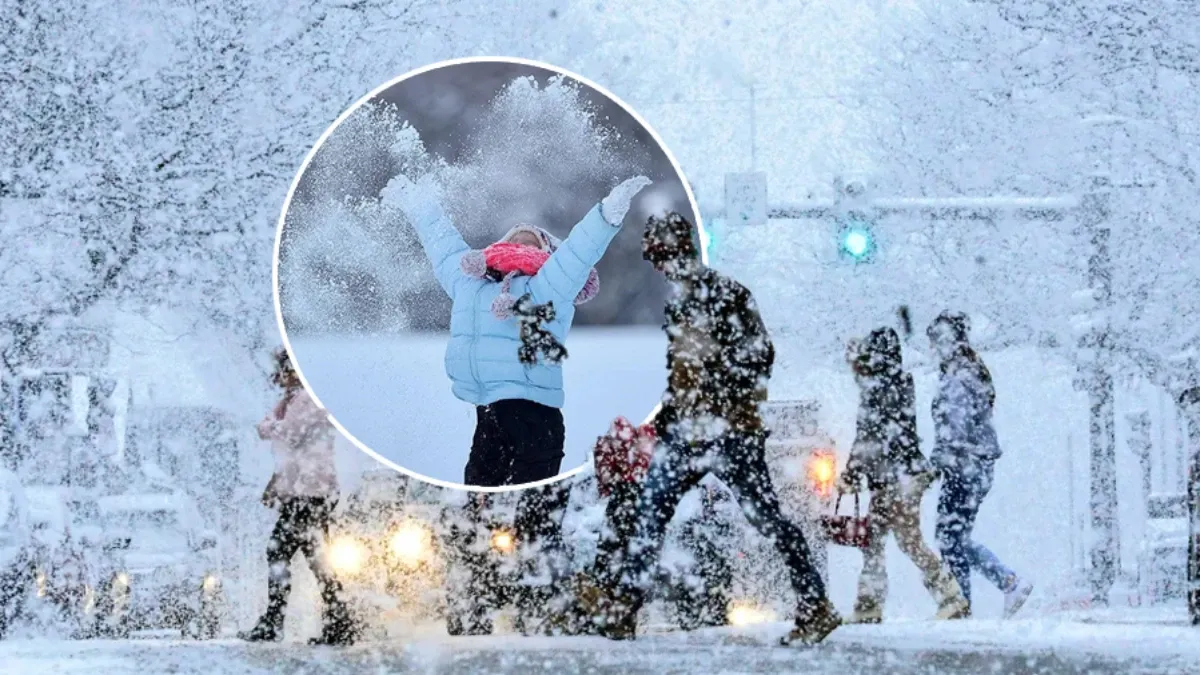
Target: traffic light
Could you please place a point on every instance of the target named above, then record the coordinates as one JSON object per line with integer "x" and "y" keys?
{"x": 856, "y": 236}
{"x": 855, "y": 239}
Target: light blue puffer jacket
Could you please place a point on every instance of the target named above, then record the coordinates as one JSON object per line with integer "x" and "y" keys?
{"x": 481, "y": 359}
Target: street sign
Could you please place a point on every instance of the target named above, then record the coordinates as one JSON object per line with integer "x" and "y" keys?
{"x": 746, "y": 198}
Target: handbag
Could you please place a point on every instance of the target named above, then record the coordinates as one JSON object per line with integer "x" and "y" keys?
{"x": 853, "y": 531}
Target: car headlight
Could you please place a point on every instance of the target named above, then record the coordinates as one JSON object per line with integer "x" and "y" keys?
{"x": 411, "y": 543}
{"x": 747, "y": 614}
{"x": 347, "y": 556}
{"x": 210, "y": 583}
{"x": 503, "y": 541}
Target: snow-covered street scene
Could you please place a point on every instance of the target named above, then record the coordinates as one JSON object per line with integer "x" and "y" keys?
{"x": 883, "y": 361}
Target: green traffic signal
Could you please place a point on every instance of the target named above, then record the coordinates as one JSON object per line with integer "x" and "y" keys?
{"x": 857, "y": 242}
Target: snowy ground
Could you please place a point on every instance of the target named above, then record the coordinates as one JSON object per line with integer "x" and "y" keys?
{"x": 1029, "y": 646}
{"x": 392, "y": 393}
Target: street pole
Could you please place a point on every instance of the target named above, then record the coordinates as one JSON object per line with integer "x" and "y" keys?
{"x": 1096, "y": 350}
{"x": 1189, "y": 405}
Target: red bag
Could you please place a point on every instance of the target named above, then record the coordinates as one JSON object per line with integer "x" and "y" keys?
{"x": 853, "y": 531}
{"x": 623, "y": 454}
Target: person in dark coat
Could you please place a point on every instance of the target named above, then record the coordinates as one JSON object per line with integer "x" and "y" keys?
{"x": 719, "y": 359}
{"x": 965, "y": 453}
{"x": 886, "y": 455}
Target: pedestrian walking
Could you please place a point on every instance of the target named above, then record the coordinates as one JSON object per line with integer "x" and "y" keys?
{"x": 304, "y": 491}
{"x": 887, "y": 457}
{"x": 719, "y": 360}
{"x": 965, "y": 453}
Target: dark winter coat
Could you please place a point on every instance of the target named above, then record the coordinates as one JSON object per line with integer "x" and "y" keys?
{"x": 962, "y": 413}
{"x": 719, "y": 355}
{"x": 886, "y": 445}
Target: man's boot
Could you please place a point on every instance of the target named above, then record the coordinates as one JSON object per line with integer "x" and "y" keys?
{"x": 613, "y": 612}
{"x": 813, "y": 624}
{"x": 269, "y": 627}
{"x": 340, "y": 628}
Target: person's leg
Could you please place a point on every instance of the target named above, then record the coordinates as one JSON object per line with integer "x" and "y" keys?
{"x": 937, "y": 577}
{"x": 537, "y": 436}
{"x": 491, "y": 450}
{"x": 281, "y": 548}
{"x": 743, "y": 468}
{"x": 980, "y": 557}
{"x": 956, "y": 520}
{"x": 873, "y": 580}
{"x": 620, "y": 522}
{"x": 337, "y": 624}
{"x": 543, "y": 556}
{"x": 674, "y": 469}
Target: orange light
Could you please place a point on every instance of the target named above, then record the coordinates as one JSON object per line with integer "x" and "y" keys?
{"x": 822, "y": 470}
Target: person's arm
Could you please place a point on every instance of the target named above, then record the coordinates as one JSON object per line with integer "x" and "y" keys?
{"x": 303, "y": 420}
{"x": 566, "y": 271}
{"x": 443, "y": 244}
{"x": 865, "y": 445}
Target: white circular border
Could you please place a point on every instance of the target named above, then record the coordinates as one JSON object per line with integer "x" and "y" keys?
{"x": 304, "y": 166}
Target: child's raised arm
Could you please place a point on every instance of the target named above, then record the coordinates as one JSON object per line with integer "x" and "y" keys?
{"x": 566, "y": 271}
{"x": 442, "y": 243}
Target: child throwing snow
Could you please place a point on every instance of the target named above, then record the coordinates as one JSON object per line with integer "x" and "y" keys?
{"x": 519, "y": 432}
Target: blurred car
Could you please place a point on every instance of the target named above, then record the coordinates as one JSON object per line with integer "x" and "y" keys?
{"x": 16, "y": 549}
{"x": 159, "y": 567}
{"x": 397, "y": 542}
{"x": 1162, "y": 557}
{"x": 64, "y": 573}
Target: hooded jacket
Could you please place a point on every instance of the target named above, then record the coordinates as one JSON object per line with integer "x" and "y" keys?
{"x": 886, "y": 446}
{"x": 301, "y": 438}
{"x": 719, "y": 357}
{"x": 481, "y": 359}
{"x": 962, "y": 413}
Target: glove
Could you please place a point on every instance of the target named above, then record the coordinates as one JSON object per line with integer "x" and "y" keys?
{"x": 419, "y": 201}
{"x": 616, "y": 204}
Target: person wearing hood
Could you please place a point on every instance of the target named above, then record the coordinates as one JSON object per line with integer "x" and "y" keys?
{"x": 519, "y": 432}
{"x": 965, "y": 454}
{"x": 886, "y": 455}
{"x": 719, "y": 360}
{"x": 304, "y": 490}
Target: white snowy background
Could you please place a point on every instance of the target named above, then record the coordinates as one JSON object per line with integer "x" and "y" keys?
{"x": 145, "y": 152}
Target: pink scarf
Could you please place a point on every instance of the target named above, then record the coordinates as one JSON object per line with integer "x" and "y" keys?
{"x": 510, "y": 260}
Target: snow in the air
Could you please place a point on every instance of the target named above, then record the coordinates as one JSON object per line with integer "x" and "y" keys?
{"x": 1032, "y": 164}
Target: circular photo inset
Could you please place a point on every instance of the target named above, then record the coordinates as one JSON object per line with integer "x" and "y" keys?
{"x": 459, "y": 271}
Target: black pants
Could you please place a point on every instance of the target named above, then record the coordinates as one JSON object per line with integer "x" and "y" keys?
{"x": 303, "y": 526}
{"x": 620, "y": 524}
{"x": 739, "y": 461}
{"x": 516, "y": 441}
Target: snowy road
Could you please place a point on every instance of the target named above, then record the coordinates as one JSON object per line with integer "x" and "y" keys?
{"x": 906, "y": 647}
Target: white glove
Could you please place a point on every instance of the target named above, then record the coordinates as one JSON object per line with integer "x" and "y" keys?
{"x": 418, "y": 201}
{"x": 616, "y": 204}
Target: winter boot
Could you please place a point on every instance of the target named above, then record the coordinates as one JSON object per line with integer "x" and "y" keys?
{"x": 865, "y": 614}
{"x": 613, "y": 612}
{"x": 339, "y": 629}
{"x": 265, "y": 630}
{"x": 952, "y": 604}
{"x": 813, "y": 624}
{"x": 1015, "y": 597}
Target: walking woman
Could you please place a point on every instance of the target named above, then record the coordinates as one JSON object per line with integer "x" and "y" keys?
{"x": 491, "y": 360}
{"x": 965, "y": 453}
{"x": 887, "y": 456}
{"x": 304, "y": 489}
